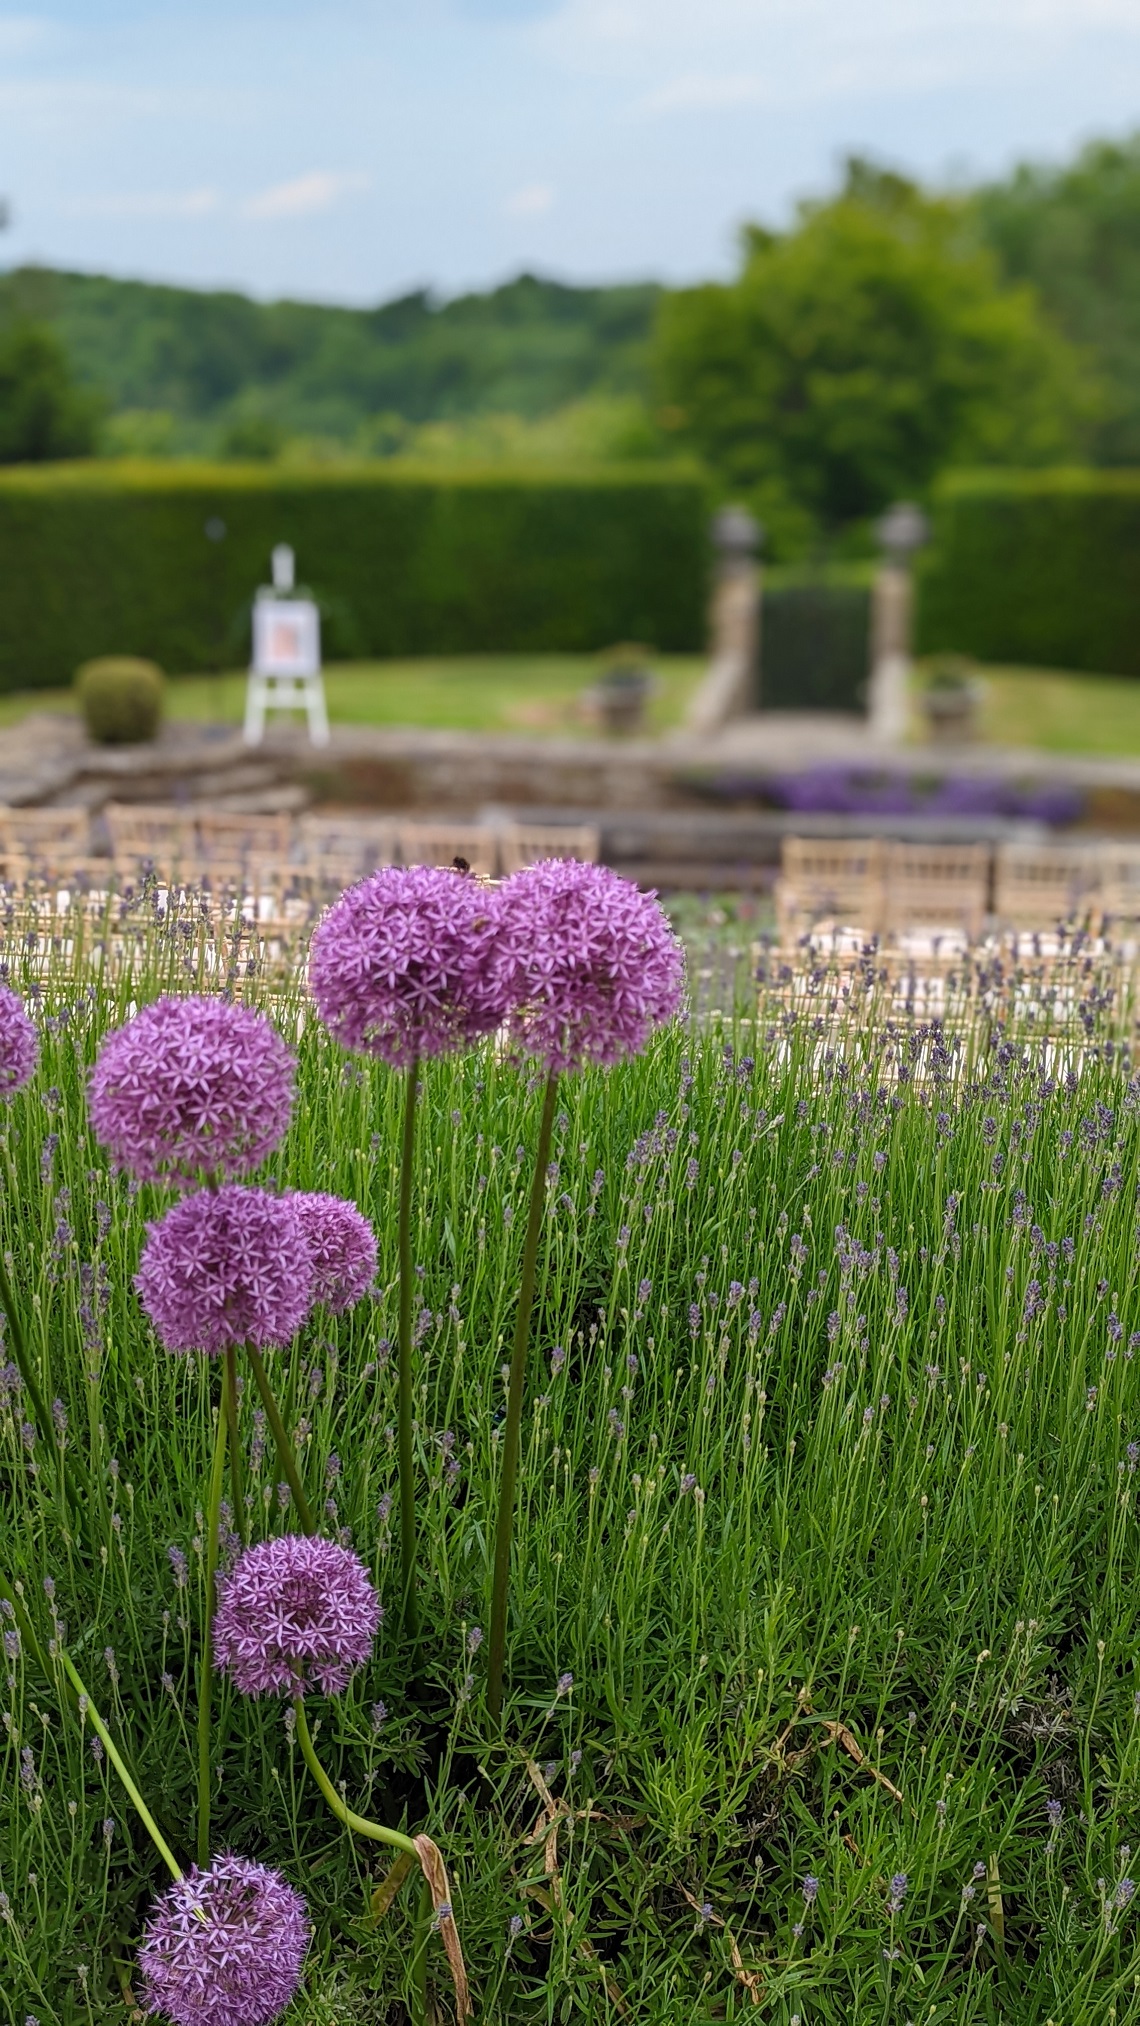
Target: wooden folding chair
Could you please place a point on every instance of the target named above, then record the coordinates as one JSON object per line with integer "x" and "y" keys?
{"x": 44, "y": 843}
{"x": 146, "y": 837}
{"x": 525, "y": 843}
{"x": 1045, "y": 886}
{"x": 228, "y": 834}
{"x": 832, "y": 883}
{"x": 342, "y": 849}
{"x": 1119, "y": 896}
{"x": 445, "y": 843}
{"x": 935, "y": 890}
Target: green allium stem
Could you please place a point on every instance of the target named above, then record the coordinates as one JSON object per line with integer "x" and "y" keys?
{"x": 513, "y": 1424}
{"x": 359, "y": 1824}
{"x": 405, "y": 1402}
{"x": 237, "y": 1491}
{"x": 117, "y": 1760}
{"x": 286, "y": 1456}
{"x": 206, "y": 1674}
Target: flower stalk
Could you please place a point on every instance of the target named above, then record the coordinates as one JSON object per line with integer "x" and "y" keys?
{"x": 359, "y": 1824}
{"x": 286, "y": 1455}
{"x": 119, "y": 1763}
{"x": 230, "y": 1392}
{"x": 206, "y": 1674}
{"x": 512, "y": 1426}
{"x": 405, "y": 1402}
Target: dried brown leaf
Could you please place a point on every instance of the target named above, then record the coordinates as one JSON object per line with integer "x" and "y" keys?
{"x": 435, "y": 1872}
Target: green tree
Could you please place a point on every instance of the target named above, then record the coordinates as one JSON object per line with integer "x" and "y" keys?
{"x": 41, "y": 413}
{"x": 860, "y": 353}
{"x": 1074, "y": 234}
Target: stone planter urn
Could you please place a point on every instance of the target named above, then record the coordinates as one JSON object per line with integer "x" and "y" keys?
{"x": 623, "y": 689}
{"x": 951, "y": 703}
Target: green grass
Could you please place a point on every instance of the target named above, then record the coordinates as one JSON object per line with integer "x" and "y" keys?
{"x": 532, "y": 694}
{"x": 1055, "y": 712}
{"x": 830, "y": 1511}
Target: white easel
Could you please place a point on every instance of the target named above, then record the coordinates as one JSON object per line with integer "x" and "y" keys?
{"x": 285, "y": 674}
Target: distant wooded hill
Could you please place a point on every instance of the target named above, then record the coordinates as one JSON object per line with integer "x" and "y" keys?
{"x": 193, "y": 365}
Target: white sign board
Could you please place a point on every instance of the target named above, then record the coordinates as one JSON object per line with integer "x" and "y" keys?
{"x": 286, "y": 637}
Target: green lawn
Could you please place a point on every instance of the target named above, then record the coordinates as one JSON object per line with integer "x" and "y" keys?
{"x": 1058, "y": 712}
{"x": 541, "y": 694}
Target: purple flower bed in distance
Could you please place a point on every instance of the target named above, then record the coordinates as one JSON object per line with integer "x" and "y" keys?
{"x": 854, "y": 791}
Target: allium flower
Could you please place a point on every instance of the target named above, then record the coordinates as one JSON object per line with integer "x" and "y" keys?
{"x": 296, "y": 1612}
{"x": 342, "y": 1245}
{"x": 400, "y": 966}
{"x": 19, "y": 1043}
{"x": 224, "y": 1947}
{"x": 589, "y": 964}
{"x": 226, "y": 1266}
{"x": 192, "y": 1086}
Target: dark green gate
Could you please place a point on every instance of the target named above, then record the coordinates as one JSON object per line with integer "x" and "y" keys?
{"x": 815, "y": 647}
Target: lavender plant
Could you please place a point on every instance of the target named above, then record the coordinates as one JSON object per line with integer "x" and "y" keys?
{"x": 822, "y": 1565}
{"x": 587, "y": 967}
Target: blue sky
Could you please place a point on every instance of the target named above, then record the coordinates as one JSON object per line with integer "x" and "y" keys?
{"x": 355, "y": 149}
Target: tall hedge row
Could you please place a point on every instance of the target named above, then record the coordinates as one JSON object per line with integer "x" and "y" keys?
{"x": 1038, "y": 568}
{"x": 115, "y": 559}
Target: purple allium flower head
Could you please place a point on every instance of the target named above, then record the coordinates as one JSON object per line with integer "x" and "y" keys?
{"x": 589, "y": 963}
{"x": 400, "y": 967}
{"x": 19, "y": 1043}
{"x": 224, "y": 1947}
{"x": 226, "y": 1266}
{"x": 342, "y": 1245}
{"x": 296, "y": 1612}
{"x": 192, "y": 1086}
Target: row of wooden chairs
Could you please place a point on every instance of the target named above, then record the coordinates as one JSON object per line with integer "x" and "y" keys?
{"x": 215, "y": 847}
{"x": 890, "y": 890}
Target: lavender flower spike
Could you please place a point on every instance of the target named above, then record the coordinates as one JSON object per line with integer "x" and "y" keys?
{"x": 192, "y": 1087}
{"x": 19, "y": 1043}
{"x": 588, "y": 963}
{"x": 297, "y": 1612}
{"x": 400, "y": 967}
{"x": 224, "y": 1946}
{"x": 226, "y": 1267}
{"x": 342, "y": 1245}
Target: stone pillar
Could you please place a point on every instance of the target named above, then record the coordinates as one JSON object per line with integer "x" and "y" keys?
{"x": 901, "y": 532}
{"x": 729, "y": 689}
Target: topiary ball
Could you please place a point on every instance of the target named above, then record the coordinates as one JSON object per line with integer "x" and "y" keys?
{"x": 121, "y": 699}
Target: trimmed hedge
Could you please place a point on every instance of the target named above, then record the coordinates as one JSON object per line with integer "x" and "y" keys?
{"x": 1037, "y": 568}
{"x": 114, "y": 559}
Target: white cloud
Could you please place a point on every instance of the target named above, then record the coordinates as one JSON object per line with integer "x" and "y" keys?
{"x": 531, "y": 201}
{"x": 147, "y": 204}
{"x": 304, "y": 196}
{"x": 20, "y": 32}
{"x": 701, "y": 89}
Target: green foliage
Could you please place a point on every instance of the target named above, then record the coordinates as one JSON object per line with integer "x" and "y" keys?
{"x": 206, "y": 360}
{"x": 114, "y": 559}
{"x": 41, "y": 414}
{"x": 121, "y": 699}
{"x": 1036, "y": 568}
{"x": 835, "y": 1461}
{"x": 253, "y": 437}
{"x": 857, "y": 355}
{"x": 1074, "y": 234}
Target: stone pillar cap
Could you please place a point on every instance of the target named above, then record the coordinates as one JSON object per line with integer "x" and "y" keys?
{"x": 737, "y": 533}
{"x": 903, "y": 529}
